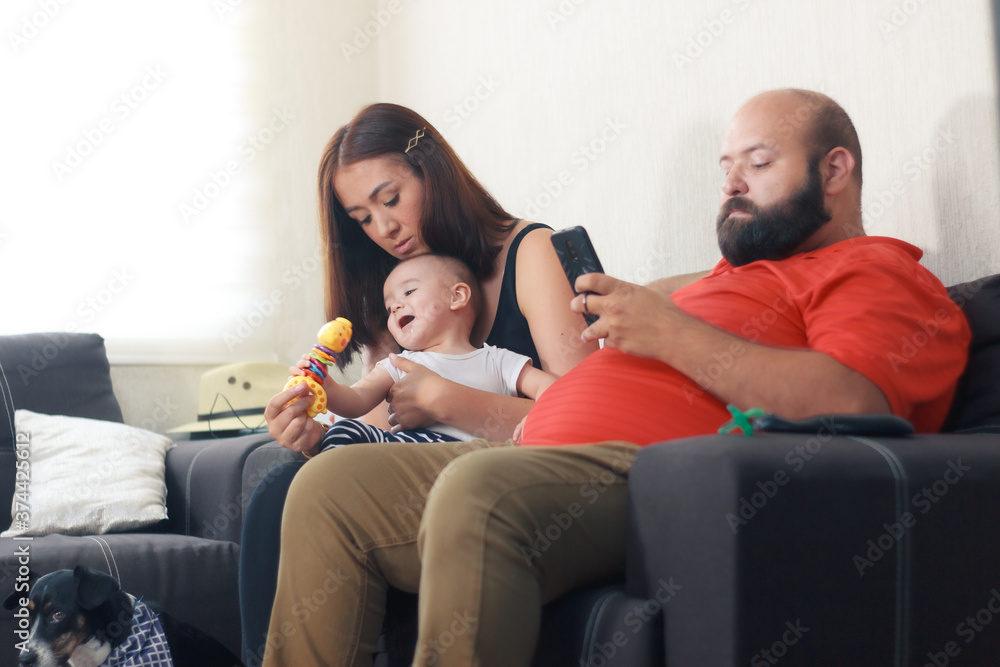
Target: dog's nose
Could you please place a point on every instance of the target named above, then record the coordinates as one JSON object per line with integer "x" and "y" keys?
{"x": 28, "y": 659}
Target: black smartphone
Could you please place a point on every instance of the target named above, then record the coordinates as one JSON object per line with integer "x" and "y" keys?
{"x": 577, "y": 255}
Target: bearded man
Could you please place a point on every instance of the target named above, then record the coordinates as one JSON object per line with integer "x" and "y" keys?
{"x": 805, "y": 315}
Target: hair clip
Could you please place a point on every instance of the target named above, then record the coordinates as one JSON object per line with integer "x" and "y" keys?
{"x": 414, "y": 140}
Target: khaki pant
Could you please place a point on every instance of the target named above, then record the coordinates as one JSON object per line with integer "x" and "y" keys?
{"x": 485, "y": 532}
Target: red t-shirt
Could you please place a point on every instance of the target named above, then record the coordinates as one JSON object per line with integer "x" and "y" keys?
{"x": 866, "y": 302}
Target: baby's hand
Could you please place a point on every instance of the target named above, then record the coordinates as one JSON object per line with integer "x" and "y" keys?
{"x": 297, "y": 369}
{"x": 519, "y": 430}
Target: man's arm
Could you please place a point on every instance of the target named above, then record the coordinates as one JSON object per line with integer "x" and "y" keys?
{"x": 668, "y": 286}
{"x": 792, "y": 382}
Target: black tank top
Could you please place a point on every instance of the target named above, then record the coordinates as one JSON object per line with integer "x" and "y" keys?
{"x": 510, "y": 328}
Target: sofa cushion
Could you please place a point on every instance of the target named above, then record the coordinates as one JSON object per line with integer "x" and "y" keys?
{"x": 599, "y": 625}
{"x": 86, "y": 476}
{"x": 59, "y": 374}
{"x": 51, "y": 373}
{"x": 603, "y": 626}
{"x": 977, "y": 401}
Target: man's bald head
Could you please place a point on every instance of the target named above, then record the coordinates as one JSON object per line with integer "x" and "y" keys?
{"x": 822, "y": 123}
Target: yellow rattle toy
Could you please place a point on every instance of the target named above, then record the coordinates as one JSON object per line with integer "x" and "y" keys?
{"x": 333, "y": 338}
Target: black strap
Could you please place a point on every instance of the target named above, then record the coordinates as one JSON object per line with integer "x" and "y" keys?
{"x": 510, "y": 328}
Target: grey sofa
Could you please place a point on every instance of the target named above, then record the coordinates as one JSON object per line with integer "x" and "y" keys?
{"x": 187, "y": 563}
{"x": 820, "y": 548}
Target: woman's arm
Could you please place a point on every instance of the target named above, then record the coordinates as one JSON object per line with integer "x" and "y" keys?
{"x": 544, "y": 295}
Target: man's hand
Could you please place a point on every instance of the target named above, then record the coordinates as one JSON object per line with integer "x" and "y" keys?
{"x": 634, "y": 319}
{"x": 411, "y": 398}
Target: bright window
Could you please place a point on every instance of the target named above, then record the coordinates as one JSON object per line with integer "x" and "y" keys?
{"x": 130, "y": 139}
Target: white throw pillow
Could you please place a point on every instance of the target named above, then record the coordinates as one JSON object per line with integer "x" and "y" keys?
{"x": 86, "y": 476}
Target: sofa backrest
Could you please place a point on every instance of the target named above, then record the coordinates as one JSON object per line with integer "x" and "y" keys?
{"x": 52, "y": 373}
{"x": 977, "y": 401}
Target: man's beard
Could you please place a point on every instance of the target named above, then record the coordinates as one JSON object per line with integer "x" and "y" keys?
{"x": 773, "y": 232}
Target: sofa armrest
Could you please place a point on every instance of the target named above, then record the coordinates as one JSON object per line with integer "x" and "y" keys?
{"x": 205, "y": 485}
{"x": 871, "y": 550}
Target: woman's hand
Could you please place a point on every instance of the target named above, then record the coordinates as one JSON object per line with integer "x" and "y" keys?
{"x": 412, "y": 398}
{"x": 289, "y": 425}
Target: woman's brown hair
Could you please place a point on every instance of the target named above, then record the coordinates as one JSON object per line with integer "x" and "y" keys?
{"x": 460, "y": 218}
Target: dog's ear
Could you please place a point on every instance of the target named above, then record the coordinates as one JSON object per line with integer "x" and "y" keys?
{"x": 21, "y": 589}
{"x": 93, "y": 588}
{"x": 12, "y": 600}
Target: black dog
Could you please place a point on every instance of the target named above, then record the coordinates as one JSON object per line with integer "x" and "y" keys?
{"x": 82, "y": 618}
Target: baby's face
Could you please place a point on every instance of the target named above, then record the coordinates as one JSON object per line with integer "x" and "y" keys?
{"x": 417, "y": 293}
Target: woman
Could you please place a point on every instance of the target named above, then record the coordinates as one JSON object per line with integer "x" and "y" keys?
{"x": 390, "y": 187}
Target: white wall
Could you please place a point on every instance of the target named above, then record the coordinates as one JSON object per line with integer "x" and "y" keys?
{"x": 661, "y": 80}
{"x": 610, "y": 115}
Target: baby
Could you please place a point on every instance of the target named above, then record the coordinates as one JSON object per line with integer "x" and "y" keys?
{"x": 432, "y": 302}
